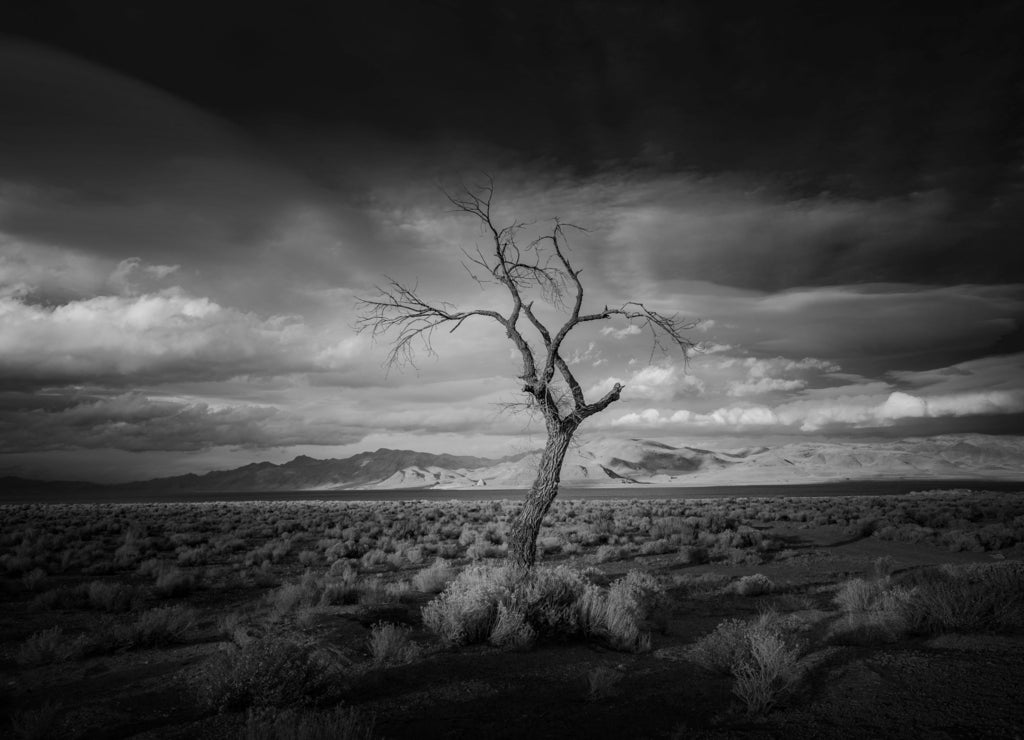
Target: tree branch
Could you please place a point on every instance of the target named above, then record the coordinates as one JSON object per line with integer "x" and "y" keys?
{"x": 544, "y": 266}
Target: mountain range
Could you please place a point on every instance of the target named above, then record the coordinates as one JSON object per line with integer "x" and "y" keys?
{"x": 616, "y": 462}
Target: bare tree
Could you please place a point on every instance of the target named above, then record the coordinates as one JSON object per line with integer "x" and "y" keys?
{"x": 541, "y": 267}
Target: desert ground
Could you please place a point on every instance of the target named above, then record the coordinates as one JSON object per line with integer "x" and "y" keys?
{"x": 860, "y": 616}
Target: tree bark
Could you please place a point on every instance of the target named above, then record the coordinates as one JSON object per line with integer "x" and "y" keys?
{"x": 522, "y": 550}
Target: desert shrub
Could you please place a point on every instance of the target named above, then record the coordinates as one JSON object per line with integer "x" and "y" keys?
{"x": 112, "y": 597}
{"x": 883, "y": 566}
{"x": 306, "y": 724}
{"x": 547, "y": 598}
{"x": 161, "y": 626}
{"x": 874, "y": 612}
{"x": 373, "y": 558}
{"x": 859, "y": 594}
{"x": 657, "y": 547}
{"x": 627, "y": 602}
{"x": 760, "y": 654}
{"x": 389, "y": 644}
{"x": 693, "y": 555}
{"x": 193, "y": 556}
{"x": 509, "y": 609}
{"x": 397, "y": 590}
{"x": 172, "y": 582}
{"x": 235, "y": 627}
{"x": 752, "y": 585}
{"x": 307, "y": 591}
{"x": 64, "y": 597}
{"x": 511, "y": 630}
{"x": 482, "y": 549}
{"x": 465, "y": 612}
{"x": 767, "y": 672}
{"x": 434, "y": 577}
{"x": 343, "y": 570}
{"x": 977, "y": 597}
{"x": 609, "y": 553}
{"x": 50, "y": 646}
{"x": 549, "y": 545}
{"x": 372, "y": 591}
{"x": 339, "y": 592}
{"x": 151, "y": 568}
{"x": 723, "y": 648}
{"x": 268, "y": 672}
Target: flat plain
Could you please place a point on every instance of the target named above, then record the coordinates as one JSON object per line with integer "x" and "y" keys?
{"x": 783, "y": 616}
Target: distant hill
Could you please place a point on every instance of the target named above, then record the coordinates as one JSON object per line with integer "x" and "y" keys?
{"x": 610, "y": 462}
{"x": 367, "y": 469}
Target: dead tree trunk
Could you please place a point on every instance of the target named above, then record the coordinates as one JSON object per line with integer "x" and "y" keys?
{"x": 543, "y": 267}
{"x": 522, "y": 543}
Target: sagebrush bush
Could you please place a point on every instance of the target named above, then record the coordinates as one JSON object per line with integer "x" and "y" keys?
{"x": 434, "y": 577}
{"x": 609, "y": 553}
{"x": 161, "y": 626}
{"x": 768, "y": 670}
{"x": 760, "y": 654}
{"x": 511, "y": 630}
{"x": 969, "y": 598}
{"x": 50, "y": 646}
{"x": 510, "y": 608}
{"x": 389, "y": 644}
{"x": 627, "y": 602}
{"x": 112, "y": 596}
{"x": 466, "y": 610}
{"x": 172, "y": 582}
{"x": 723, "y": 648}
{"x": 307, "y": 591}
{"x": 63, "y": 597}
{"x": 752, "y": 585}
{"x": 268, "y": 672}
{"x": 859, "y": 594}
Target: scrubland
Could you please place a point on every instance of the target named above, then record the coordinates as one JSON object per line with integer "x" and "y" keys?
{"x": 742, "y": 617}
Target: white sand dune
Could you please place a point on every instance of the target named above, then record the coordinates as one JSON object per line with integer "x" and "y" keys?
{"x": 618, "y": 462}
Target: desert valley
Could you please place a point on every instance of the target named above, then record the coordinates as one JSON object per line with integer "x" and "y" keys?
{"x": 738, "y": 616}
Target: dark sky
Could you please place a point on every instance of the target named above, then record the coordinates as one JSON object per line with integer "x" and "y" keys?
{"x": 875, "y": 98}
{"x": 191, "y": 194}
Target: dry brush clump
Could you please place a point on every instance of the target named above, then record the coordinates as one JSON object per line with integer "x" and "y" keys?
{"x": 154, "y": 627}
{"x": 966, "y": 598}
{"x": 509, "y": 608}
{"x": 762, "y": 655}
{"x": 389, "y": 644}
{"x": 271, "y": 671}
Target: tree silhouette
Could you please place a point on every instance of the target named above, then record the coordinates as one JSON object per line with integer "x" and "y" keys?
{"x": 541, "y": 267}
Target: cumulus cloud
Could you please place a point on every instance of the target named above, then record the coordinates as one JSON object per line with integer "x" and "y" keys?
{"x": 128, "y": 272}
{"x": 853, "y": 411}
{"x": 630, "y": 330}
{"x": 764, "y": 385}
{"x": 654, "y": 382}
{"x": 168, "y": 334}
{"x": 777, "y": 375}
